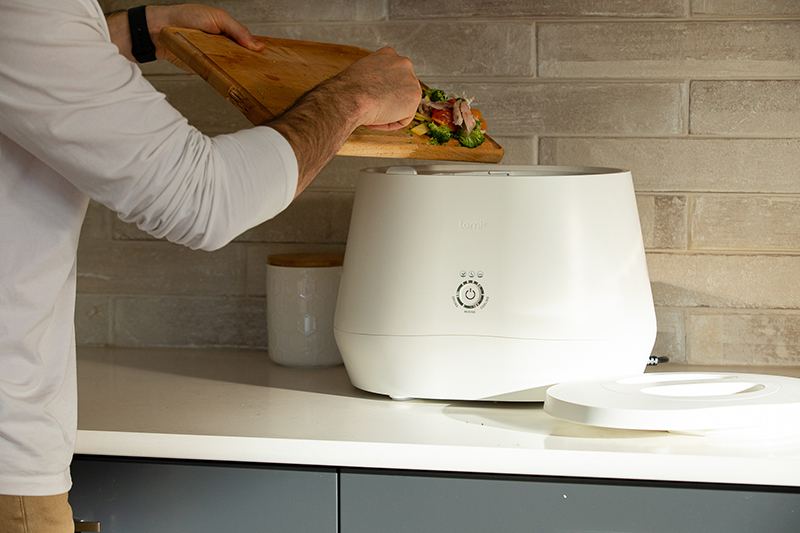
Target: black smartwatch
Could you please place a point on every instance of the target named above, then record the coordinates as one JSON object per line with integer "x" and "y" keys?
{"x": 142, "y": 46}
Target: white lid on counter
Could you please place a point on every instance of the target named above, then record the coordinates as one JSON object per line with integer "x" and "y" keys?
{"x": 681, "y": 401}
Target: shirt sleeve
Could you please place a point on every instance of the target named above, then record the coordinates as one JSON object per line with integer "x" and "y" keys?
{"x": 69, "y": 98}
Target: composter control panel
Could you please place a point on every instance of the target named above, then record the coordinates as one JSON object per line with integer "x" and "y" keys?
{"x": 470, "y": 294}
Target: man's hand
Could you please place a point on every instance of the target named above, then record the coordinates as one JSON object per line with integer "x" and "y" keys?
{"x": 206, "y": 18}
{"x": 379, "y": 91}
{"x": 385, "y": 88}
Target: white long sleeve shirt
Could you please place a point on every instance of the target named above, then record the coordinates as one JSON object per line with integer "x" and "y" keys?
{"x": 78, "y": 121}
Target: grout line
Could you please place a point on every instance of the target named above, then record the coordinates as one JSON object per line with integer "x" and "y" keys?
{"x": 620, "y": 137}
{"x": 776, "y": 311}
{"x": 112, "y": 314}
{"x": 536, "y": 51}
{"x": 535, "y": 77}
{"x": 523, "y": 19}
{"x": 175, "y": 296}
{"x": 245, "y": 253}
{"x": 639, "y": 136}
{"x": 692, "y": 195}
{"x": 335, "y": 190}
{"x": 686, "y": 104}
{"x": 669, "y": 307}
{"x": 733, "y": 252}
{"x": 527, "y": 80}
{"x": 684, "y": 318}
{"x": 690, "y": 213}
{"x": 698, "y": 136}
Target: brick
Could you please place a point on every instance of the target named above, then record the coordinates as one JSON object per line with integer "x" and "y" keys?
{"x": 257, "y": 260}
{"x": 126, "y": 231}
{"x": 281, "y": 10}
{"x": 182, "y": 321}
{"x": 588, "y": 108}
{"x": 437, "y": 48}
{"x": 157, "y": 68}
{"x": 535, "y": 8}
{"x": 92, "y": 320}
{"x": 746, "y": 165}
{"x": 314, "y": 217}
{"x": 671, "y": 336}
{"x": 160, "y": 268}
{"x": 343, "y": 172}
{"x": 518, "y": 150}
{"x": 669, "y": 49}
{"x": 759, "y": 108}
{"x": 579, "y": 108}
{"x": 745, "y": 8}
{"x": 200, "y": 104}
{"x": 731, "y": 281}
{"x": 96, "y": 226}
{"x": 744, "y": 339}
{"x": 663, "y": 219}
{"x": 746, "y": 223}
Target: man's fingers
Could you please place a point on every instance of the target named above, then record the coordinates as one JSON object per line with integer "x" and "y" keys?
{"x": 392, "y": 126}
{"x": 242, "y": 35}
{"x": 379, "y": 127}
{"x": 238, "y": 32}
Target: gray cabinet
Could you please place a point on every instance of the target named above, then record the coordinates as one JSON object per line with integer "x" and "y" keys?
{"x": 138, "y": 496}
{"x": 392, "y": 502}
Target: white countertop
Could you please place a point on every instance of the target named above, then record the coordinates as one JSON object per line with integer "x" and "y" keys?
{"x": 235, "y": 405}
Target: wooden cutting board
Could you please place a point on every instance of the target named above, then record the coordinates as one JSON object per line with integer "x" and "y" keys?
{"x": 262, "y": 85}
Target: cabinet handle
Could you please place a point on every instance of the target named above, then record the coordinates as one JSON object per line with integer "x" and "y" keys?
{"x": 85, "y": 525}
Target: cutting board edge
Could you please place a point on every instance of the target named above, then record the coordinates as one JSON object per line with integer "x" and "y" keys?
{"x": 358, "y": 147}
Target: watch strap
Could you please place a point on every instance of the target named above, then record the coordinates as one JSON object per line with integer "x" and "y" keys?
{"x": 142, "y": 46}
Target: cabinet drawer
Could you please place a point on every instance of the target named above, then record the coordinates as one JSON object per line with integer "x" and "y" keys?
{"x": 135, "y": 496}
{"x": 397, "y": 502}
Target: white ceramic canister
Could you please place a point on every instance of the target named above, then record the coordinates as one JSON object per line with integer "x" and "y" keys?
{"x": 301, "y": 301}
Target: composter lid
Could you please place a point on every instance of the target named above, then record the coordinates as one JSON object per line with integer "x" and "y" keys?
{"x": 483, "y": 169}
{"x": 680, "y": 401}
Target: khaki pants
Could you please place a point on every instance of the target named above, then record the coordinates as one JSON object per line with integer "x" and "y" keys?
{"x": 35, "y": 514}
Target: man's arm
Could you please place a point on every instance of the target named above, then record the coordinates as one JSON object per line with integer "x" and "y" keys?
{"x": 381, "y": 90}
{"x": 71, "y": 100}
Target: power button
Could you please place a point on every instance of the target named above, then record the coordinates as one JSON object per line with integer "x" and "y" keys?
{"x": 469, "y": 294}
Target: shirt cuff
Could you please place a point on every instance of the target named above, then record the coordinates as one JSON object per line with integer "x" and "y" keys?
{"x": 286, "y": 154}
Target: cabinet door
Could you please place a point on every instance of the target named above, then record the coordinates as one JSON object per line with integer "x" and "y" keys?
{"x": 390, "y": 502}
{"x": 136, "y": 496}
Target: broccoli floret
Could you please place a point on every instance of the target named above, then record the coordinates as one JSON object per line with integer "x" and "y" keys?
{"x": 475, "y": 137}
{"x": 439, "y": 134}
{"x": 436, "y": 95}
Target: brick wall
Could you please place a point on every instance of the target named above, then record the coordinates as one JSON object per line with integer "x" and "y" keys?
{"x": 699, "y": 98}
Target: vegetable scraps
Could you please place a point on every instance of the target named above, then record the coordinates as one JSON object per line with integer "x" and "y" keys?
{"x": 443, "y": 117}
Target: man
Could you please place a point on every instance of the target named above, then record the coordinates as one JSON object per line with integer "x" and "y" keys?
{"x": 78, "y": 121}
